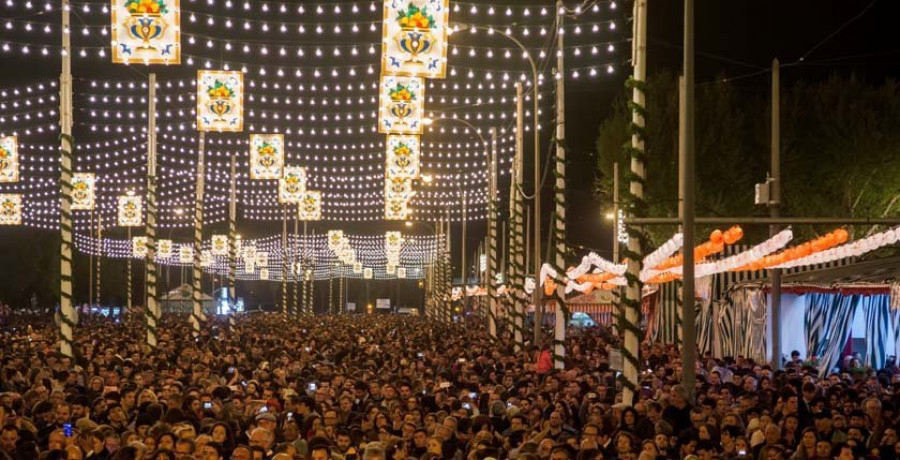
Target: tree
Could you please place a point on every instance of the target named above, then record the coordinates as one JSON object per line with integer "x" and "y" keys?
{"x": 840, "y": 157}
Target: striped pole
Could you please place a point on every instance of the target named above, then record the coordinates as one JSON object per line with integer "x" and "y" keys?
{"x": 630, "y": 320}
{"x": 197, "y": 315}
{"x": 306, "y": 310}
{"x": 151, "y": 312}
{"x": 492, "y": 237}
{"x": 295, "y": 288}
{"x": 128, "y": 281}
{"x": 232, "y": 243}
{"x": 559, "y": 217}
{"x": 516, "y": 228}
{"x": 66, "y": 310}
{"x": 330, "y": 289}
{"x": 99, "y": 258}
{"x": 340, "y": 305}
{"x": 284, "y": 263}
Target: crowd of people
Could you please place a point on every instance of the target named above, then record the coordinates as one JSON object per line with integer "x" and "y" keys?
{"x": 399, "y": 387}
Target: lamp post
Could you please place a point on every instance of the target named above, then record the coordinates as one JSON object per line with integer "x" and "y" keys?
{"x": 434, "y": 232}
{"x": 429, "y": 122}
{"x": 536, "y": 261}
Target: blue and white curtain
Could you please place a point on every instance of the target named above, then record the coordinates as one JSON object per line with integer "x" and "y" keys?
{"x": 742, "y": 323}
{"x": 879, "y": 328}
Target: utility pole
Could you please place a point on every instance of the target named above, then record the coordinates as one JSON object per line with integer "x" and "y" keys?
{"x": 232, "y": 255}
{"x": 689, "y": 347}
{"x": 517, "y": 230}
{"x": 775, "y": 211}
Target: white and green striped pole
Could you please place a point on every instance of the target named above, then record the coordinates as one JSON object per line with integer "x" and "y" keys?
{"x": 284, "y": 263}
{"x": 492, "y": 237}
{"x": 66, "y": 310}
{"x": 559, "y": 218}
{"x": 197, "y": 316}
{"x": 128, "y": 281}
{"x": 295, "y": 288}
{"x": 151, "y": 312}
{"x": 232, "y": 243}
{"x": 517, "y": 229}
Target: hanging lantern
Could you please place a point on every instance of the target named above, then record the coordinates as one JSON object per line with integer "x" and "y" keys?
{"x": 82, "y": 191}
{"x": 139, "y": 247}
{"x": 146, "y": 31}
{"x": 130, "y": 211}
{"x": 219, "y": 245}
{"x": 9, "y": 159}
{"x": 164, "y": 249}
{"x": 310, "y": 207}
{"x": 185, "y": 254}
{"x": 220, "y": 101}
{"x": 402, "y": 156}
{"x": 414, "y": 38}
{"x": 10, "y": 209}
{"x": 292, "y": 186}
{"x": 401, "y": 105}
{"x": 267, "y": 157}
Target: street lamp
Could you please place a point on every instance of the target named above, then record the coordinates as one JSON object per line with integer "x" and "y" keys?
{"x": 537, "y": 170}
{"x": 429, "y": 122}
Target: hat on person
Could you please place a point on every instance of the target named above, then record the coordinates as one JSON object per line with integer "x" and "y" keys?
{"x": 266, "y": 416}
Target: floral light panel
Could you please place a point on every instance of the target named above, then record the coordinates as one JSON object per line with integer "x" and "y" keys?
{"x": 164, "y": 249}
{"x": 402, "y": 156}
{"x": 185, "y": 254}
{"x": 10, "y": 209}
{"x": 266, "y": 156}
{"x": 219, "y": 245}
{"x": 9, "y": 159}
{"x": 139, "y": 246}
{"x": 292, "y": 186}
{"x": 401, "y": 105}
{"x": 146, "y": 31}
{"x": 83, "y": 191}
{"x": 220, "y": 100}
{"x": 414, "y": 38}
{"x": 310, "y": 207}
{"x": 130, "y": 211}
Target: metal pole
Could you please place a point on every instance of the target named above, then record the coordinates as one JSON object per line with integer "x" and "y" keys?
{"x": 631, "y": 348}
{"x": 492, "y": 236}
{"x": 197, "y": 315}
{"x": 66, "y": 310}
{"x": 91, "y": 228}
{"x": 775, "y": 211}
{"x": 152, "y": 311}
{"x": 559, "y": 217}
{"x": 682, "y": 164}
{"x": 232, "y": 244}
{"x": 689, "y": 348}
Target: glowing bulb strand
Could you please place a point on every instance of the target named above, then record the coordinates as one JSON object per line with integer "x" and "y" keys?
{"x": 284, "y": 264}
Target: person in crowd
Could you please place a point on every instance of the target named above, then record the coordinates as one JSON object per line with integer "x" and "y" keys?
{"x": 391, "y": 387}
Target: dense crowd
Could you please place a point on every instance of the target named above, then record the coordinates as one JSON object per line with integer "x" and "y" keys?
{"x": 392, "y": 387}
